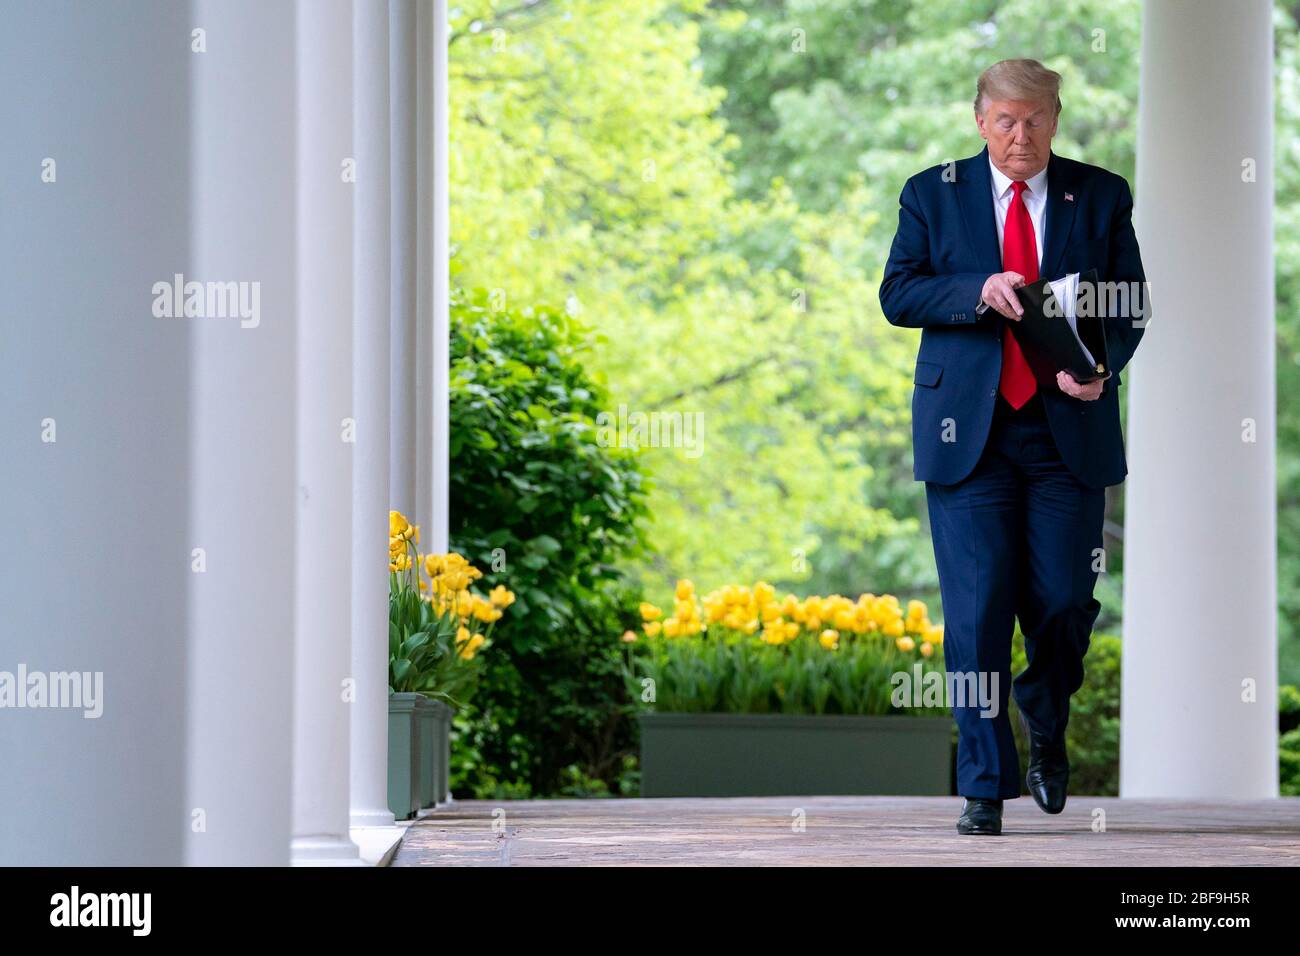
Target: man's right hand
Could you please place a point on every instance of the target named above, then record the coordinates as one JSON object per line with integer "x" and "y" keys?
{"x": 999, "y": 293}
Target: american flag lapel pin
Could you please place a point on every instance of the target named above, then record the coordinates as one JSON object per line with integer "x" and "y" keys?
{"x": 1069, "y": 197}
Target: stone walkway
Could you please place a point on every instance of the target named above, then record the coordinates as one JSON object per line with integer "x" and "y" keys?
{"x": 851, "y": 831}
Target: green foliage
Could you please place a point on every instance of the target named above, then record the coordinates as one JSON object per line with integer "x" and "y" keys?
{"x": 742, "y": 674}
{"x": 1286, "y": 242}
{"x": 542, "y": 507}
{"x": 1288, "y": 705}
{"x": 1289, "y": 764}
{"x": 574, "y": 176}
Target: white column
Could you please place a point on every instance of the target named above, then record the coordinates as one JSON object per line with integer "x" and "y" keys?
{"x": 243, "y": 420}
{"x": 94, "y": 485}
{"x": 424, "y": 271}
{"x": 323, "y": 565}
{"x": 370, "y": 336}
{"x": 403, "y": 106}
{"x": 434, "y": 225}
{"x": 1200, "y": 595}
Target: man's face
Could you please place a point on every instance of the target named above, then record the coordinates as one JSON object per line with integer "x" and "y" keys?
{"x": 1019, "y": 134}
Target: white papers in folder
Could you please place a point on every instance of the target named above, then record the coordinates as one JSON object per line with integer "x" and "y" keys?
{"x": 1066, "y": 291}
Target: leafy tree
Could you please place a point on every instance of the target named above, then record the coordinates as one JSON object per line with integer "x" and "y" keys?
{"x": 590, "y": 165}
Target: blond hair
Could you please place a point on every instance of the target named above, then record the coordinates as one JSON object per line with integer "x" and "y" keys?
{"x": 1018, "y": 80}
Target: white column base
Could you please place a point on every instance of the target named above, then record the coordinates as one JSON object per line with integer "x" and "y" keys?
{"x": 371, "y": 818}
{"x": 324, "y": 851}
{"x": 378, "y": 844}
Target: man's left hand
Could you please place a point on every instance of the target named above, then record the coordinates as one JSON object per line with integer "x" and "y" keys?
{"x": 1088, "y": 393}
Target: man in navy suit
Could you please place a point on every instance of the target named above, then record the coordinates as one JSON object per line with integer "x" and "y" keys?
{"x": 1015, "y": 471}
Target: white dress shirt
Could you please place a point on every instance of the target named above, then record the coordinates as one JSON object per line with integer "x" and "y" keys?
{"x": 1035, "y": 199}
{"x": 1034, "y": 195}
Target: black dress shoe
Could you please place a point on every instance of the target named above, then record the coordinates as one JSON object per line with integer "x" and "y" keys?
{"x": 1049, "y": 770}
{"x": 980, "y": 816}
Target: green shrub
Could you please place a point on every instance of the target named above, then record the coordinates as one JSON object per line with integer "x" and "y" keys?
{"x": 1288, "y": 705}
{"x": 540, "y": 506}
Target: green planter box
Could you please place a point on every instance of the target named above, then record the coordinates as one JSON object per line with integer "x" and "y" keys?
{"x": 426, "y": 734}
{"x": 751, "y": 755}
{"x": 440, "y": 715}
{"x": 434, "y": 718}
{"x": 405, "y": 753}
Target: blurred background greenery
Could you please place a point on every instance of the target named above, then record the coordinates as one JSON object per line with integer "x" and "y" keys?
{"x": 685, "y": 206}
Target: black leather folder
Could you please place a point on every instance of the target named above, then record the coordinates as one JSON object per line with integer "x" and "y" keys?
{"x": 1045, "y": 337}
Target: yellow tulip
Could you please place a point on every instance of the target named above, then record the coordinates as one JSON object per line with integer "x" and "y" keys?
{"x": 905, "y": 643}
{"x": 829, "y": 638}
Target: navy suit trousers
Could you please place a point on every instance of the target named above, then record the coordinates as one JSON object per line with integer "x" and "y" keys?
{"x": 1015, "y": 538}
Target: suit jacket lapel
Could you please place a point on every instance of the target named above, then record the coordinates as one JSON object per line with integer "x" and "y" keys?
{"x": 1060, "y": 214}
{"x": 975, "y": 197}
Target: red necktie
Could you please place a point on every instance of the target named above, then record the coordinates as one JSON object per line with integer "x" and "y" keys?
{"x": 1019, "y": 254}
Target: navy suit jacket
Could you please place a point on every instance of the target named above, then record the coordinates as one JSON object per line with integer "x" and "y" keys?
{"x": 945, "y": 248}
